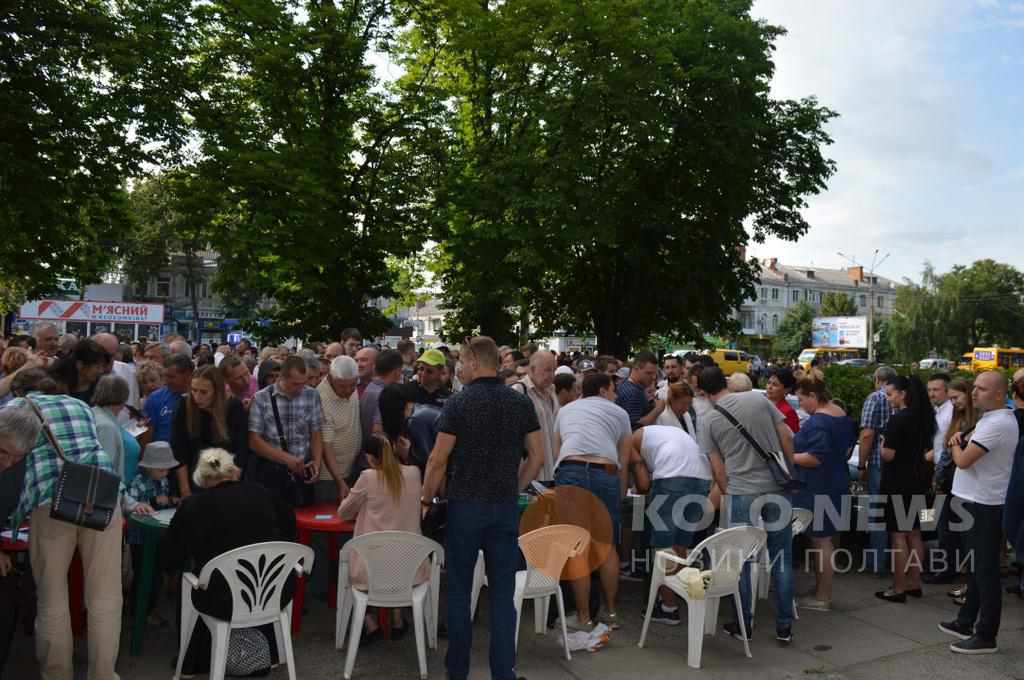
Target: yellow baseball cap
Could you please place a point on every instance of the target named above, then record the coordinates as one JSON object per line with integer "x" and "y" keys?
{"x": 432, "y": 357}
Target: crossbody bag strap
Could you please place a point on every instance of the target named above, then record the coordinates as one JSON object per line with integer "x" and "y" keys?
{"x": 746, "y": 435}
{"x": 47, "y": 432}
{"x": 277, "y": 419}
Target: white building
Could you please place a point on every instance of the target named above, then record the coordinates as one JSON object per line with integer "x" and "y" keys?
{"x": 782, "y": 286}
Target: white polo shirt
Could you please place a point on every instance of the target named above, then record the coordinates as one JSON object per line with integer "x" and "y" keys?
{"x": 985, "y": 482}
{"x": 943, "y": 417}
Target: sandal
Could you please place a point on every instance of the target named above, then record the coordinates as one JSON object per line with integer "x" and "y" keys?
{"x": 958, "y": 591}
{"x": 890, "y": 595}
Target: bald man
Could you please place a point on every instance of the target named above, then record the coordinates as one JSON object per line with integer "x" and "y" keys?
{"x": 46, "y": 339}
{"x": 366, "y": 360}
{"x": 110, "y": 345}
{"x": 539, "y": 385}
{"x": 983, "y": 463}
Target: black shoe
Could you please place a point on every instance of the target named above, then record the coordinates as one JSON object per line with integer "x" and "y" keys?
{"x": 974, "y": 645}
{"x": 957, "y": 630}
{"x": 942, "y": 578}
{"x": 916, "y": 592}
{"x": 891, "y": 595}
{"x": 665, "y": 618}
{"x": 733, "y": 629}
{"x": 784, "y": 635}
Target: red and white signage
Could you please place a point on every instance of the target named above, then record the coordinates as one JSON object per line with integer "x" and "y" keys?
{"x": 88, "y": 310}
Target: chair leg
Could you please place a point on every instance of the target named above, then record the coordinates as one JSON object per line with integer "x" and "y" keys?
{"x": 221, "y": 633}
{"x": 478, "y": 583}
{"x": 189, "y": 616}
{"x": 344, "y": 610}
{"x": 695, "y": 614}
{"x": 517, "y": 601}
{"x": 435, "y": 601}
{"x": 565, "y": 631}
{"x": 356, "y": 632}
{"x": 743, "y": 623}
{"x": 418, "y": 626}
{"x": 283, "y": 631}
{"x": 540, "y": 605}
{"x": 656, "y": 582}
{"x": 796, "y": 612}
{"x": 279, "y": 636}
{"x": 711, "y": 615}
{"x": 428, "y": 620}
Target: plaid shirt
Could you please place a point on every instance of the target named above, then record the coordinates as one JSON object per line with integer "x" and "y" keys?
{"x": 876, "y": 414}
{"x": 72, "y": 424}
{"x": 145, "y": 489}
{"x": 301, "y": 417}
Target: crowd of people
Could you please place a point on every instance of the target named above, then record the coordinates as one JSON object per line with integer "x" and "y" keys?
{"x": 445, "y": 440}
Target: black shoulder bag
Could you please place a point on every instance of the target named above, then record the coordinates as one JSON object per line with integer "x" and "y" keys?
{"x": 292, "y": 488}
{"x": 85, "y": 495}
{"x": 776, "y": 462}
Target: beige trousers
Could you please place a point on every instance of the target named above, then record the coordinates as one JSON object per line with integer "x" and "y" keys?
{"x": 52, "y": 545}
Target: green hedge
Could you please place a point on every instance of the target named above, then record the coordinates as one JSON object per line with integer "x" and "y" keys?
{"x": 853, "y": 384}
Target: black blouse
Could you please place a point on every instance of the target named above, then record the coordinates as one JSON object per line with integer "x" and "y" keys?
{"x": 187, "y": 446}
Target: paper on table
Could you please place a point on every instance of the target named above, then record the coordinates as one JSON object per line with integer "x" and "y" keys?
{"x": 164, "y": 516}
{"x": 134, "y": 428}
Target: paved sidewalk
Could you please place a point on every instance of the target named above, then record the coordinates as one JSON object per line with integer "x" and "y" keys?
{"x": 861, "y": 639}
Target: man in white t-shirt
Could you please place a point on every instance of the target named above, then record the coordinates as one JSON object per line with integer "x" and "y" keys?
{"x": 983, "y": 465}
{"x": 592, "y": 437}
{"x": 680, "y": 481}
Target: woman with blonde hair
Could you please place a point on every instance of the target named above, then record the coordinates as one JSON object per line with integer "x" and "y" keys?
{"x": 386, "y": 497}
{"x": 228, "y": 514}
{"x": 150, "y": 375}
{"x": 207, "y": 417}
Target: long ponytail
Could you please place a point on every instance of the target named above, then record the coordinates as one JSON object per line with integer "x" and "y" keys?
{"x": 387, "y": 464}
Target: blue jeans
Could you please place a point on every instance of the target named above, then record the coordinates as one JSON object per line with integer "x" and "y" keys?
{"x": 877, "y": 557}
{"x": 600, "y": 483}
{"x": 780, "y": 556}
{"x": 493, "y": 528}
{"x": 670, "y": 493}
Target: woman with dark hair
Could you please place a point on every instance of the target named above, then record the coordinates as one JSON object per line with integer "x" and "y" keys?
{"x": 780, "y": 383}
{"x": 396, "y": 404}
{"x": 76, "y": 374}
{"x": 207, "y": 418}
{"x": 822, "y": 446}
{"x": 906, "y": 479}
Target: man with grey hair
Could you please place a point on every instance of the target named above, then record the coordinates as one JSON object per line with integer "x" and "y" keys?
{"x": 46, "y": 339}
{"x": 341, "y": 428}
{"x": 109, "y": 343}
{"x": 181, "y": 347}
{"x": 52, "y": 542}
{"x": 539, "y": 385}
{"x": 67, "y": 344}
{"x": 873, "y": 418}
{"x": 158, "y": 352}
{"x": 312, "y": 366}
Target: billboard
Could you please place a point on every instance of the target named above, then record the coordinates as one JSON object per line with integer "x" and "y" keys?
{"x": 840, "y": 331}
{"x": 87, "y": 310}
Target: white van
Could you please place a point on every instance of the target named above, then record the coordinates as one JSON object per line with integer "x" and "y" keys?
{"x": 937, "y": 365}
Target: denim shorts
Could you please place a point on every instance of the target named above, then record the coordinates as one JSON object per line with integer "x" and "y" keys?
{"x": 598, "y": 482}
{"x": 668, "y": 493}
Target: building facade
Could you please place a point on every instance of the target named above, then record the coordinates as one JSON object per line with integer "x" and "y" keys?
{"x": 782, "y": 286}
{"x": 172, "y": 287}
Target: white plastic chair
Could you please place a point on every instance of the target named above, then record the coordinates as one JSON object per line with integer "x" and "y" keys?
{"x": 392, "y": 559}
{"x": 760, "y": 576}
{"x": 546, "y": 551}
{"x": 728, "y": 550}
{"x": 256, "y": 576}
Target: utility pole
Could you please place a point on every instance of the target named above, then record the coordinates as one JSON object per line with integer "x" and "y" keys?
{"x": 875, "y": 263}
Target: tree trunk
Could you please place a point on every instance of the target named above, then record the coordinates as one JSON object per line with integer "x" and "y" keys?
{"x": 191, "y": 281}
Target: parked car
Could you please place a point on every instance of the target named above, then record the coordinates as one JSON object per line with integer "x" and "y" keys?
{"x": 937, "y": 365}
{"x": 854, "y": 362}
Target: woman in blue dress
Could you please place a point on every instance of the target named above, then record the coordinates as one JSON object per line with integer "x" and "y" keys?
{"x": 822, "y": 447}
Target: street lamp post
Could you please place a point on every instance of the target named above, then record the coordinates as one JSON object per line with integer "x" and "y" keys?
{"x": 875, "y": 263}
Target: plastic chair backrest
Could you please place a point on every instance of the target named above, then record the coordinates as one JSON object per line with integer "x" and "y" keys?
{"x": 547, "y": 549}
{"x": 392, "y": 559}
{"x": 802, "y": 519}
{"x": 256, "y": 576}
{"x": 728, "y": 550}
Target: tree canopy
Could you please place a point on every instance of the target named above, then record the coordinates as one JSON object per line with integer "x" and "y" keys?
{"x": 794, "y": 332}
{"x": 837, "y": 304}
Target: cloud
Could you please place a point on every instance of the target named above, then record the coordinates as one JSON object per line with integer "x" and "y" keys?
{"x": 912, "y": 154}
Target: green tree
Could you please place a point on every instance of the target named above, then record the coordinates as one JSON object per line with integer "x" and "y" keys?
{"x": 91, "y": 90}
{"x": 794, "y": 332}
{"x": 308, "y": 158}
{"x": 603, "y": 159}
{"x": 982, "y": 304}
{"x": 837, "y": 304}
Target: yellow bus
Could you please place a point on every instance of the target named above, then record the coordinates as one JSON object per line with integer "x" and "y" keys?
{"x": 988, "y": 358}
{"x": 827, "y": 355}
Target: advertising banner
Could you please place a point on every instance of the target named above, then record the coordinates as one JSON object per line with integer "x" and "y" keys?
{"x": 840, "y": 331}
{"x": 88, "y": 310}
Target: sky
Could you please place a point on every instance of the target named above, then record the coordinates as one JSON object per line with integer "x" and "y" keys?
{"x": 930, "y": 140}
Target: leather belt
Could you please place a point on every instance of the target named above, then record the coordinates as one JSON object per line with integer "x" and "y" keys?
{"x": 610, "y": 468}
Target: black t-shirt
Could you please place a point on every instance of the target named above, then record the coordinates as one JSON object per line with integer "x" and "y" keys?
{"x": 907, "y": 473}
{"x": 421, "y": 396}
{"x": 489, "y": 422}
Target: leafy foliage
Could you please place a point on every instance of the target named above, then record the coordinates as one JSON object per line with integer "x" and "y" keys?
{"x": 837, "y": 304}
{"x": 794, "y": 332}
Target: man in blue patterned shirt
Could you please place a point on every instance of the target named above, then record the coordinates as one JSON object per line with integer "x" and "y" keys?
{"x": 873, "y": 418}
{"x": 52, "y": 543}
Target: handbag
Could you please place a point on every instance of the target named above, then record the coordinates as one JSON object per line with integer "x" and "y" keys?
{"x": 278, "y": 477}
{"x": 85, "y": 495}
{"x": 776, "y": 462}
